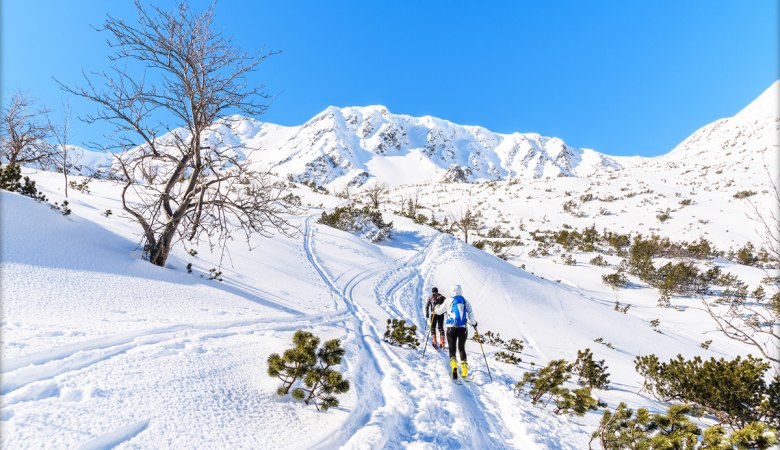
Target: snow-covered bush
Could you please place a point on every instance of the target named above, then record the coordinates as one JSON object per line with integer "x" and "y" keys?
{"x": 366, "y": 221}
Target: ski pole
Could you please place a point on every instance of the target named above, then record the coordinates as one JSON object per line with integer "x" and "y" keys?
{"x": 483, "y": 353}
{"x": 430, "y": 329}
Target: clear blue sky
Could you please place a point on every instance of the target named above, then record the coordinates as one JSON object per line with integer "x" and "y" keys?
{"x": 622, "y": 77}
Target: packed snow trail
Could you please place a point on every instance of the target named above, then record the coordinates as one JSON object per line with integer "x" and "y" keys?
{"x": 417, "y": 402}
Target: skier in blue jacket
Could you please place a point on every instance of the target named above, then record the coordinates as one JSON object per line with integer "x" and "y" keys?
{"x": 458, "y": 313}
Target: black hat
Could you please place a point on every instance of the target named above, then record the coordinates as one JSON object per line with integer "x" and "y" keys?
{"x": 435, "y": 289}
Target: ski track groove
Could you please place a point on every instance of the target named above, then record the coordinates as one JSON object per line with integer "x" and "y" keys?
{"x": 20, "y": 372}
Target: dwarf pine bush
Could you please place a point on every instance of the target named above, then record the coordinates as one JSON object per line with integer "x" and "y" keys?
{"x": 701, "y": 383}
{"x": 591, "y": 373}
{"x": 368, "y": 222}
{"x": 398, "y": 333}
{"x": 312, "y": 368}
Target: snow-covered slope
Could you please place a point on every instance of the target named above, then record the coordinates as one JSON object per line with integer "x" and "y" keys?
{"x": 101, "y": 348}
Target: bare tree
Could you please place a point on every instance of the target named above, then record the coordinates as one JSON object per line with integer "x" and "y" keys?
{"x": 414, "y": 204}
{"x": 172, "y": 77}
{"x": 768, "y": 219}
{"x": 61, "y": 135}
{"x": 376, "y": 192}
{"x": 24, "y": 132}
{"x": 756, "y": 321}
{"x": 465, "y": 221}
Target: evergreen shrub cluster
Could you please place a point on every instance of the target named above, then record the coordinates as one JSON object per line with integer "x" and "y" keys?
{"x": 510, "y": 350}
{"x": 627, "y": 429}
{"x": 734, "y": 391}
{"x": 367, "y": 221}
{"x": 11, "y": 180}
{"x": 546, "y": 385}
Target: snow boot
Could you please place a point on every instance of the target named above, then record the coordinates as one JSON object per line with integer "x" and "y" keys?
{"x": 464, "y": 366}
{"x": 442, "y": 344}
{"x": 454, "y": 365}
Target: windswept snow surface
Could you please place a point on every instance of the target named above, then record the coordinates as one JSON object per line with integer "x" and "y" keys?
{"x": 102, "y": 349}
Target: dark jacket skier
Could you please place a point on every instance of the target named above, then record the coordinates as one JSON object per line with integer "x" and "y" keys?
{"x": 458, "y": 313}
{"x": 435, "y": 306}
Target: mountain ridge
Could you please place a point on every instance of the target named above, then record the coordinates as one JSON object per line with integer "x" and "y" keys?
{"x": 348, "y": 146}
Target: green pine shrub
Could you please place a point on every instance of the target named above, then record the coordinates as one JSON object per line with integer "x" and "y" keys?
{"x": 548, "y": 380}
{"x": 311, "y": 366}
{"x": 615, "y": 280}
{"x": 507, "y": 357}
{"x": 747, "y": 398}
{"x": 322, "y": 382}
{"x": 744, "y": 194}
{"x": 367, "y": 221}
{"x": 625, "y": 429}
{"x": 11, "y": 180}
{"x": 64, "y": 208}
{"x": 82, "y": 186}
{"x": 294, "y": 363}
{"x": 599, "y": 260}
{"x": 548, "y": 383}
{"x": 592, "y": 374}
{"x": 398, "y": 333}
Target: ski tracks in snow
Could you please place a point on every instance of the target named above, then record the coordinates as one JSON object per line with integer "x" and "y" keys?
{"x": 403, "y": 398}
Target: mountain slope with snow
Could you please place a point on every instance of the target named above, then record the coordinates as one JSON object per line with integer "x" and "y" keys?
{"x": 103, "y": 349}
{"x": 100, "y": 347}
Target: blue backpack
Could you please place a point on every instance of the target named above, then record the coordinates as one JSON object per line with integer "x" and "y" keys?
{"x": 458, "y": 317}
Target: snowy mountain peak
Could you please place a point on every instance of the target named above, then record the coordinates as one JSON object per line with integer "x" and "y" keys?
{"x": 347, "y": 146}
{"x": 749, "y": 139}
{"x": 766, "y": 105}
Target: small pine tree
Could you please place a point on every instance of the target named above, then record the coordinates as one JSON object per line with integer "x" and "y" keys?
{"x": 591, "y": 373}
{"x": 294, "y": 363}
{"x": 755, "y": 435}
{"x": 547, "y": 381}
{"x": 615, "y": 280}
{"x": 674, "y": 429}
{"x": 322, "y": 381}
{"x": 507, "y": 357}
{"x": 599, "y": 261}
{"x": 577, "y": 401}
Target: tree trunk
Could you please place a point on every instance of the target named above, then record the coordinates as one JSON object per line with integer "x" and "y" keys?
{"x": 158, "y": 255}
